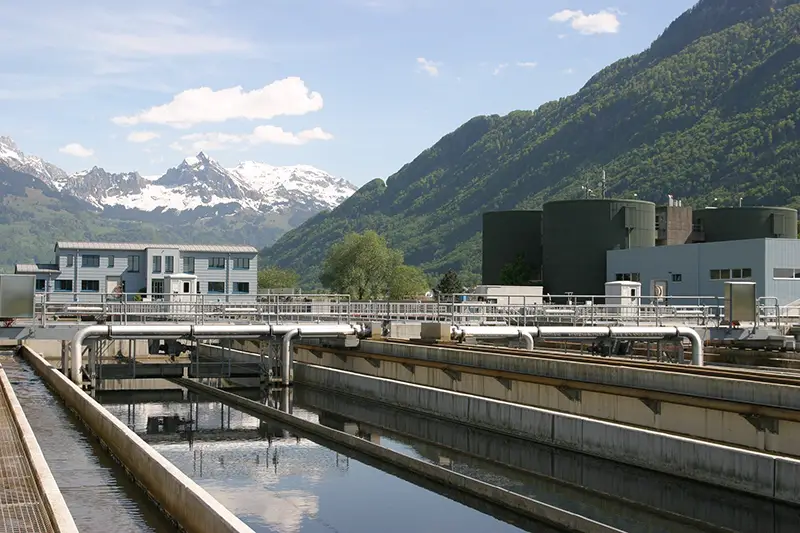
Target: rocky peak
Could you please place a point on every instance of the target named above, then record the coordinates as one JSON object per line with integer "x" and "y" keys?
{"x": 204, "y": 177}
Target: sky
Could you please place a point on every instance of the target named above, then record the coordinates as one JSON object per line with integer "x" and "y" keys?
{"x": 357, "y": 88}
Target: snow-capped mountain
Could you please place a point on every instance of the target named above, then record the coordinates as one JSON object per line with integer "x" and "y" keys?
{"x": 197, "y": 182}
{"x": 14, "y": 158}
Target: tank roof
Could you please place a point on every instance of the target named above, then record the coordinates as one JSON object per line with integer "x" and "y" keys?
{"x": 513, "y": 211}
{"x": 599, "y": 200}
{"x": 753, "y": 207}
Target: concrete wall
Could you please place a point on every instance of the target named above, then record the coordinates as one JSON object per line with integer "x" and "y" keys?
{"x": 752, "y": 472}
{"x": 703, "y": 422}
{"x": 181, "y": 497}
{"x": 48, "y": 489}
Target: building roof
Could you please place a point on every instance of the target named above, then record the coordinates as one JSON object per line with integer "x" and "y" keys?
{"x": 38, "y": 268}
{"x": 139, "y": 247}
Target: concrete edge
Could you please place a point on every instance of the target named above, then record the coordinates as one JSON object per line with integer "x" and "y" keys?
{"x": 591, "y": 372}
{"x": 186, "y": 501}
{"x": 763, "y": 474}
{"x": 51, "y": 494}
{"x": 537, "y": 510}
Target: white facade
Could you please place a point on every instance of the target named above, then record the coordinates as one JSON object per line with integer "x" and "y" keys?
{"x": 510, "y": 295}
{"x": 701, "y": 270}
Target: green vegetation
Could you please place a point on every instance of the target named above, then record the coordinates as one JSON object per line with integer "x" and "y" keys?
{"x": 363, "y": 266}
{"x": 711, "y": 110}
{"x": 450, "y": 283}
{"x": 277, "y": 278}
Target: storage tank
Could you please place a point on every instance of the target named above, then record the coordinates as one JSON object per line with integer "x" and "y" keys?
{"x": 507, "y": 235}
{"x": 578, "y": 233}
{"x": 715, "y": 224}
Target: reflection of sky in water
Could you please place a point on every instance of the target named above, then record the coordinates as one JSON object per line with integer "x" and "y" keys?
{"x": 290, "y": 485}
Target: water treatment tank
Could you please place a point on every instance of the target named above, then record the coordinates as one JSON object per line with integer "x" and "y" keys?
{"x": 714, "y": 224}
{"x": 578, "y": 233}
{"x": 508, "y": 235}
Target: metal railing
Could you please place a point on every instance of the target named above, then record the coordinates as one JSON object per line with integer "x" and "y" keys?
{"x": 459, "y": 309}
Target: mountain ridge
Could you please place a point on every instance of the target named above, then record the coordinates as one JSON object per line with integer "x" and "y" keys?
{"x": 698, "y": 115}
{"x": 197, "y": 201}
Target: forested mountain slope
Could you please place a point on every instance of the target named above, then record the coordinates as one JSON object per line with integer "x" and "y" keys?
{"x": 710, "y": 110}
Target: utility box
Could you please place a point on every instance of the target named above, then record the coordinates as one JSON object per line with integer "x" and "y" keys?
{"x": 181, "y": 293}
{"x": 623, "y": 297}
{"x": 16, "y": 295}
{"x": 740, "y": 301}
{"x": 435, "y": 331}
{"x": 510, "y": 295}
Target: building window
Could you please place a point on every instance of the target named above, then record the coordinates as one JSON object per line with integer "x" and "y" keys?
{"x": 90, "y": 285}
{"x": 730, "y": 273}
{"x": 90, "y": 261}
{"x": 156, "y": 263}
{"x": 786, "y": 273}
{"x": 70, "y": 260}
{"x": 241, "y": 263}
{"x": 198, "y": 287}
{"x": 157, "y": 287}
{"x": 40, "y": 284}
{"x": 216, "y": 262}
{"x": 216, "y": 287}
{"x": 241, "y": 287}
{"x": 188, "y": 265}
{"x": 629, "y": 276}
{"x": 110, "y": 261}
{"x": 677, "y": 278}
{"x": 169, "y": 264}
{"x": 64, "y": 285}
{"x": 133, "y": 263}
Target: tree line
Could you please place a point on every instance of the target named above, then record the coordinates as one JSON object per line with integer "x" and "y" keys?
{"x": 365, "y": 267}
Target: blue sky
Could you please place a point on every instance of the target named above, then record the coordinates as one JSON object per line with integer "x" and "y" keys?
{"x": 355, "y": 87}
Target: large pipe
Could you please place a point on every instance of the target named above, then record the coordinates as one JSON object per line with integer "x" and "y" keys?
{"x": 286, "y": 356}
{"x": 567, "y": 332}
{"x": 231, "y": 331}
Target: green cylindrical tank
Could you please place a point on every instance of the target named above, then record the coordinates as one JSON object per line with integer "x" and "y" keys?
{"x": 514, "y": 239}
{"x": 715, "y": 224}
{"x": 578, "y": 233}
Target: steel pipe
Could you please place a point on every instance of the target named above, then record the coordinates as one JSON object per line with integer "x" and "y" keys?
{"x": 567, "y": 332}
{"x": 286, "y": 356}
{"x": 230, "y": 331}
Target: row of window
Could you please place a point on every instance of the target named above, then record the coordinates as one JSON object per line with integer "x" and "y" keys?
{"x": 786, "y": 273}
{"x": 157, "y": 286}
{"x": 731, "y": 273}
{"x": 214, "y": 263}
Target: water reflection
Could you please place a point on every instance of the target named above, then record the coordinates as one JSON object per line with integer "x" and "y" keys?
{"x": 277, "y": 482}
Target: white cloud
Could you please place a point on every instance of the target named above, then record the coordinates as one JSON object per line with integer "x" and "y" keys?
{"x": 75, "y": 149}
{"x": 142, "y": 136}
{"x": 289, "y": 96}
{"x": 527, "y": 64}
{"x": 568, "y": 71}
{"x": 605, "y": 21}
{"x": 197, "y": 142}
{"x": 428, "y": 66}
{"x": 500, "y": 68}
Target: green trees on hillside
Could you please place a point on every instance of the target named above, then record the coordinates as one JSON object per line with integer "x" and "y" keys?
{"x": 277, "y": 278}
{"x": 716, "y": 117}
{"x": 450, "y": 283}
{"x": 363, "y": 266}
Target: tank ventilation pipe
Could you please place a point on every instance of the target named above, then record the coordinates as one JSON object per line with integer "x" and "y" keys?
{"x": 492, "y": 332}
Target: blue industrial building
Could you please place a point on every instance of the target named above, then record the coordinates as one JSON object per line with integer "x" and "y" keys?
{"x": 89, "y": 271}
{"x": 701, "y": 269}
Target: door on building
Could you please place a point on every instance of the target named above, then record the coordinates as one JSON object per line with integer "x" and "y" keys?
{"x": 113, "y": 287}
{"x": 659, "y": 291}
{"x": 157, "y": 288}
